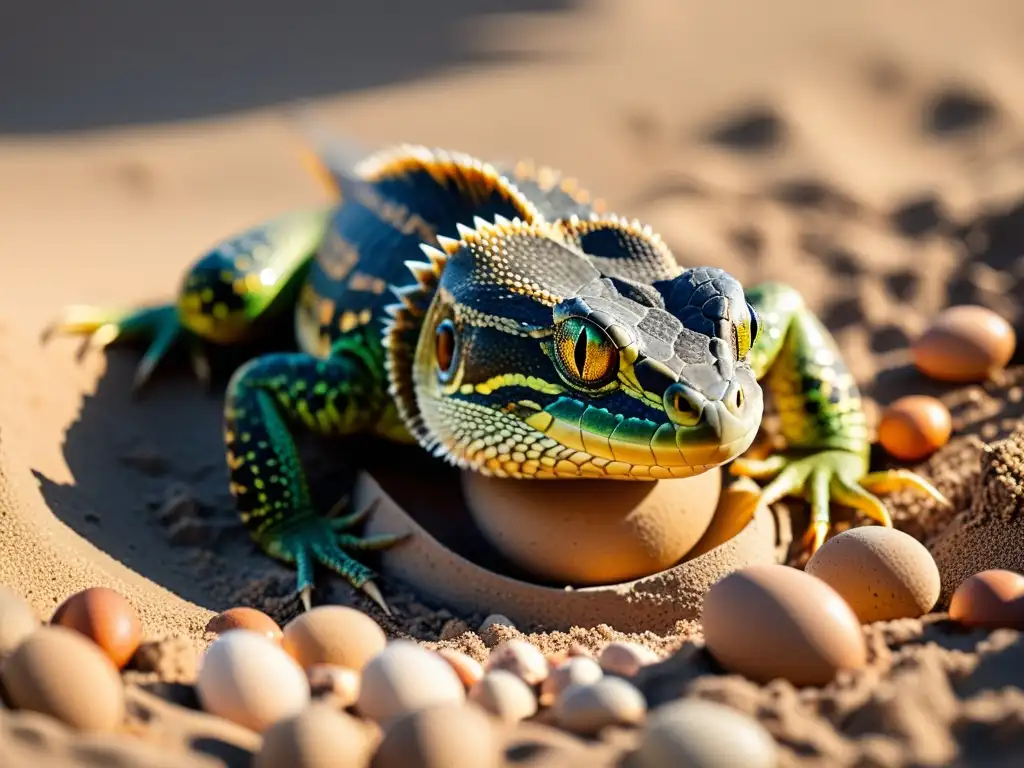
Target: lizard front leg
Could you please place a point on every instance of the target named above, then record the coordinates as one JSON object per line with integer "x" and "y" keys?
{"x": 266, "y": 397}
{"x": 822, "y": 419}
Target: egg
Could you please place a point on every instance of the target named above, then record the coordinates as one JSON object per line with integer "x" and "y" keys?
{"x": 521, "y": 658}
{"x": 914, "y": 427}
{"x": 105, "y": 617}
{"x": 990, "y": 599}
{"x": 17, "y": 620}
{"x": 587, "y": 709}
{"x": 575, "y": 670}
{"x": 405, "y": 677}
{"x": 58, "y": 672}
{"x": 245, "y": 618}
{"x": 333, "y": 634}
{"x": 466, "y": 667}
{"x": 504, "y": 695}
{"x": 447, "y": 735}
{"x": 964, "y": 343}
{"x": 774, "y": 621}
{"x": 703, "y": 734}
{"x": 247, "y": 678}
{"x": 882, "y": 573}
{"x": 317, "y": 737}
{"x": 339, "y": 683}
{"x": 626, "y": 659}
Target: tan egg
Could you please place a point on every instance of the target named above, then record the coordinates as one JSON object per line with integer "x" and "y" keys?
{"x": 504, "y": 695}
{"x": 964, "y": 343}
{"x": 339, "y": 683}
{"x": 466, "y": 667}
{"x": 521, "y": 658}
{"x": 914, "y": 427}
{"x": 245, "y": 677}
{"x": 449, "y": 735}
{"x": 882, "y": 573}
{"x": 17, "y": 620}
{"x": 703, "y": 734}
{"x": 317, "y": 737}
{"x": 405, "y": 677}
{"x": 576, "y": 670}
{"x": 60, "y": 673}
{"x": 774, "y": 621}
{"x": 990, "y": 599}
{"x": 333, "y": 634}
{"x": 626, "y": 659}
{"x": 245, "y": 618}
{"x": 105, "y": 617}
{"x": 587, "y": 709}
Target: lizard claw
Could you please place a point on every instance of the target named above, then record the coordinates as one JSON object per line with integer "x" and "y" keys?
{"x": 374, "y": 593}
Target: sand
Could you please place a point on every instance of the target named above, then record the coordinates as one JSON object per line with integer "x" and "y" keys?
{"x": 872, "y": 154}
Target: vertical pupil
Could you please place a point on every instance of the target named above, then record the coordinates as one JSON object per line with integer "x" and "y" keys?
{"x": 445, "y": 346}
{"x": 580, "y": 352}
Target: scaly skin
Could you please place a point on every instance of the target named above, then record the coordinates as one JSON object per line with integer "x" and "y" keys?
{"x": 533, "y": 338}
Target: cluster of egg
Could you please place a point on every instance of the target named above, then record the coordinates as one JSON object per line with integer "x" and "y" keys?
{"x": 963, "y": 344}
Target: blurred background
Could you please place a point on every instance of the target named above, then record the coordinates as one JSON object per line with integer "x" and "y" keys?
{"x": 852, "y": 148}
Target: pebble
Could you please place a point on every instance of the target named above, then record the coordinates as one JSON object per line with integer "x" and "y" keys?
{"x": 105, "y": 617}
{"x": 586, "y": 709}
{"x": 466, "y": 667}
{"x": 333, "y": 634}
{"x": 58, "y": 672}
{"x": 703, "y": 734}
{"x": 340, "y": 683}
{"x": 913, "y": 427}
{"x": 576, "y": 670}
{"x": 963, "y": 344}
{"x": 521, "y": 658}
{"x": 505, "y": 695}
{"x": 245, "y": 618}
{"x": 406, "y": 677}
{"x": 992, "y": 599}
{"x": 626, "y": 659}
{"x": 882, "y": 573}
{"x": 447, "y": 735}
{"x": 17, "y": 620}
{"x": 496, "y": 619}
{"x": 318, "y": 737}
{"x": 248, "y": 679}
{"x": 774, "y": 621}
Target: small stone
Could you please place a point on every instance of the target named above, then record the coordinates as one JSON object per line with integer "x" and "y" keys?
{"x": 505, "y": 695}
{"x": 453, "y": 628}
{"x": 447, "y": 735}
{"x": 521, "y": 658}
{"x": 317, "y": 737}
{"x": 406, "y": 677}
{"x": 496, "y": 619}
{"x": 626, "y": 659}
{"x": 575, "y": 670}
{"x": 466, "y": 667}
{"x": 587, "y": 709}
{"x": 340, "y": 684}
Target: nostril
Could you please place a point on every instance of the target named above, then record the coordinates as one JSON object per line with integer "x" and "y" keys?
{"x": 738, "y": 398}
{"x": 685, "y": 406}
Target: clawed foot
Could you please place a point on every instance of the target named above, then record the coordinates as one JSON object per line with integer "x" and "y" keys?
{"x": 158, "y": 325}
{"x": 826, "y": 475}
{"x": 312, "y": 538}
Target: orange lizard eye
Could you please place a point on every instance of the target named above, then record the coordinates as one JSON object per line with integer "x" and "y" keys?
{"x": 586, "y": 356}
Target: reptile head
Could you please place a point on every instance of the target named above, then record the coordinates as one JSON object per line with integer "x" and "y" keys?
{"x": 543, "y": 352}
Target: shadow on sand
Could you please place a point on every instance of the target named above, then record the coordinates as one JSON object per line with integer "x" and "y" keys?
{"x": 65, "y": 66}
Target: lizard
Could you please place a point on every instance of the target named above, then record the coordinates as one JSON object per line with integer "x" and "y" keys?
{"x": 499, "y": 317}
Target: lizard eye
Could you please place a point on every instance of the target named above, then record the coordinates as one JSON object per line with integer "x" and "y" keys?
{"x": 746, "y": 333}
{"x": 586, "y": 356}
{"x": 445, "y": 339}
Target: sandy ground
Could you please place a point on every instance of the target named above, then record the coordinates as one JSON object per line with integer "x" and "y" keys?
{"x": 872, "y": 154}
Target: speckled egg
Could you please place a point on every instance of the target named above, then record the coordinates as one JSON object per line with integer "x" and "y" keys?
{"x": 17, "y": 620}
{"x": 882, "y": 573}
{"x": 447, "y": 735}
{"x": 105, "y": 617}
{"x": 247, "y": 678}
{"x": 60, "y": 673}
{"x": 990, "y": 599}
{"x": 405, "y": 677}
{"x": 774, "y": 621}
{"x": 914, "y": 427}
{"x": 703, "y": 734}
{"x": 333, "y": 634}
{"x": 964, "y": 343}
{"x": 317, "y": 737}
{"x": 245, "y": 618}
